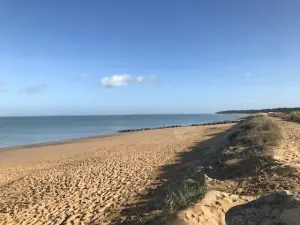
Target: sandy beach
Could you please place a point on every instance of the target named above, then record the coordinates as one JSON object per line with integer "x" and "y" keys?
{"x": 89, "y": 181}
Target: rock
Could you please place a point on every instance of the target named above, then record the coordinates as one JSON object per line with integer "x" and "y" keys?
{"x": 210, "y": 167}
{"x": 172, "y": 126}
{"x": 199, "y": 169}
{"x": 206, "y": 180}
{"x": 190, "y": 182}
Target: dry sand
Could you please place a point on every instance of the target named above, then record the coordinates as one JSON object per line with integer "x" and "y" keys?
{"x": 289, "y": 149}
{"x": 88, "y": 181}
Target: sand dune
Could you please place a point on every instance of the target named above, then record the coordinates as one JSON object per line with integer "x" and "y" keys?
{"x": 88, "y": 181}
{"x": 278, "y": 183}
{"x": 289, "y": 149}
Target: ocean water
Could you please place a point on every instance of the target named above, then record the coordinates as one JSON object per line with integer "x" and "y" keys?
{"x": 16, "y": 131}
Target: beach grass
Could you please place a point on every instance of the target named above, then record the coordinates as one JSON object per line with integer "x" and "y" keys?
{"x": 177, "y": 199}
{"x": 258, "y": 133}
{"x": 184, "y": 197}
{"x": 292, "y": 116}
{"x": 253, "y": 143}
{"x": 252, "y": 138}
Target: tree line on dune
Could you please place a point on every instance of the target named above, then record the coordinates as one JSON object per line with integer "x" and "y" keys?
{"x": 250, "y": 111}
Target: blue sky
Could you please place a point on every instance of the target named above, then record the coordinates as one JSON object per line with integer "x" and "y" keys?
{"x": 123, "y": 57}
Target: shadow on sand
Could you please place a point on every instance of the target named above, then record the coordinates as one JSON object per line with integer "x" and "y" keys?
{"x": 206, "y": 154}
{"x": 202, "y": 154}
{"x": 278, "y": 208}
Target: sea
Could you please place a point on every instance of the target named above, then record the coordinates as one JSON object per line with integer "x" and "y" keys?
{"x": 18, "y": 131}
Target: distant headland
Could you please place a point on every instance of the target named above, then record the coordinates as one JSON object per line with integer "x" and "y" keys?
{"x": 250, "y": 111}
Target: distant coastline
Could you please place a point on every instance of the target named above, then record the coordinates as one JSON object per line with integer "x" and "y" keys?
{"x": 251, "y": 111}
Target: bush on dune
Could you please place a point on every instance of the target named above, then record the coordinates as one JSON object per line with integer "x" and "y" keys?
{"x": 293, "y": 116}
{"x": 289, "y": 116}
{"x": 259, "y": 133}
{"x": 252, "y": 142}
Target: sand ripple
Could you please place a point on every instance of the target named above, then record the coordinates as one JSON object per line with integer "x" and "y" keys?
{"x": 92, "y": 180}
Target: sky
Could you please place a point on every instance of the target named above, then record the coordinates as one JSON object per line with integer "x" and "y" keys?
{"x": 71, "y": 57}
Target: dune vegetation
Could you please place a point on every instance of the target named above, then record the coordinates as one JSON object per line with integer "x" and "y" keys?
{"x": 258, "y": 133}
{"x": 247, "y": 151}
{"x": 291, "y": 116}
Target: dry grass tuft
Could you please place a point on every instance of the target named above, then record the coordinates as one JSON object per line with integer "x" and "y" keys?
{"x": 258, "y": 133}
{"x": 184, "y": 197}
{"x": 176, "y": 199}
{"x": 289, "y": 116}
{"x": 252, "y": 143}
{"x": 293, "y": 116}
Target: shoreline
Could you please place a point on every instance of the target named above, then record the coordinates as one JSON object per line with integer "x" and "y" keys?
{"x": 91, "y": 179}
{"x": 54, "y": 143}
{"x": 117, "y": 133}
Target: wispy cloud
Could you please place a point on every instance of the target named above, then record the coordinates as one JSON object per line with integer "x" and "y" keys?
{"x": 248, "y": 74}
{"x": 116, "y": 81}
{"x": 34, "y": 89}
{"x": 145, "y": 79}
{"x": 122, "y": 80}
{"x": 82, "y": 76}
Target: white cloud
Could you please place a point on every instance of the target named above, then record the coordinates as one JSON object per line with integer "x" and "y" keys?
{"x": 116, "y": 81}
{"x": 122, "y": 80}
{"x": 34, "y": 89}
{"x": 249, "y": 74}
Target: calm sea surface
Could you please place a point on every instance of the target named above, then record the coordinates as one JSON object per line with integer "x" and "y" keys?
{"x": 30, "y": 130}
